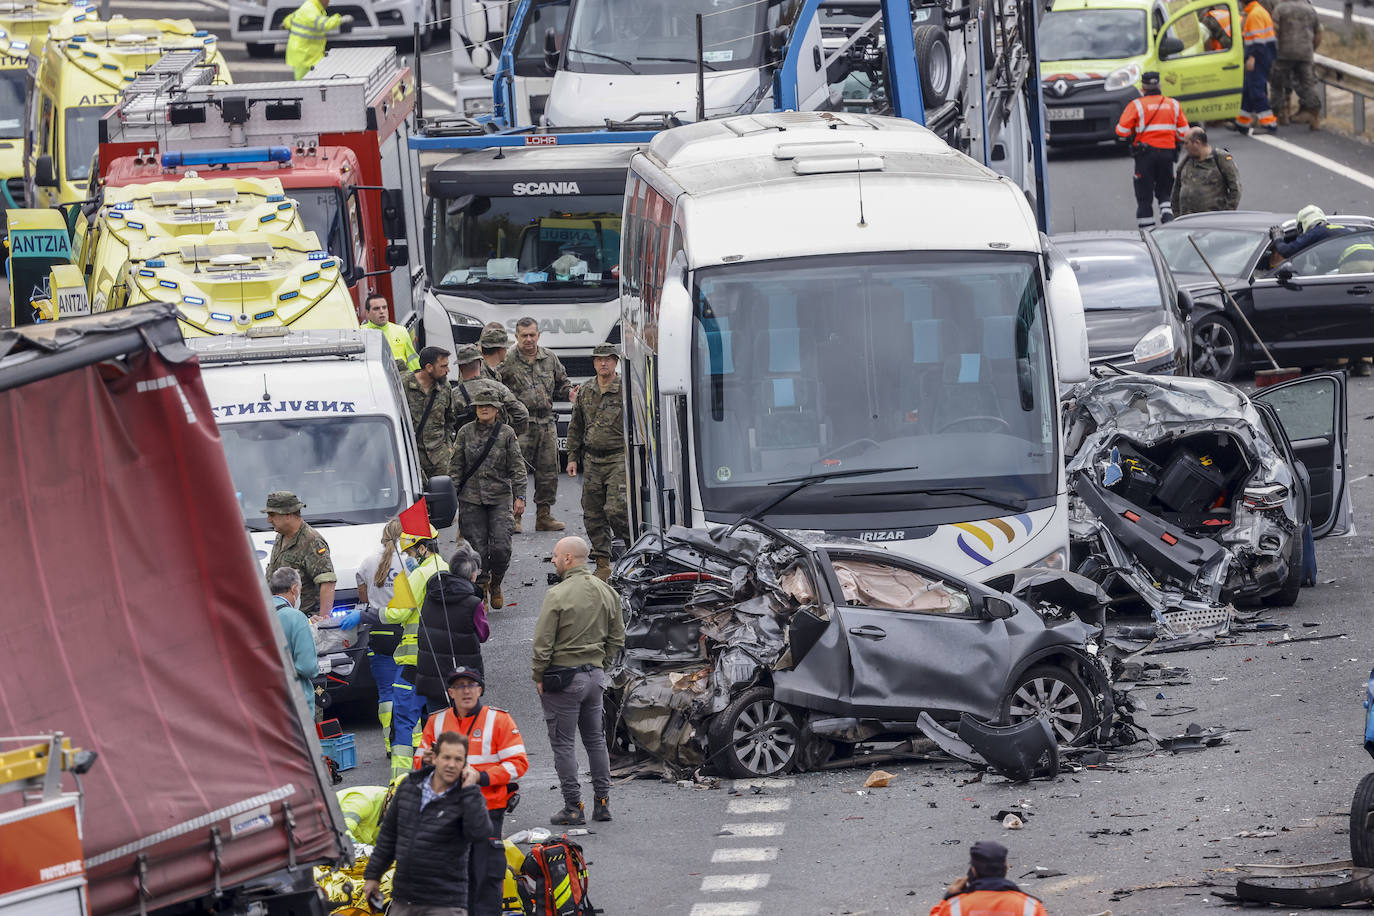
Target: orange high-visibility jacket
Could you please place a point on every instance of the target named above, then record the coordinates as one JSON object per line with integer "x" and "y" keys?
{"x": 990, "y": 903}
{"x": 495, "y": 748}
{"x": 1156, "y": 120}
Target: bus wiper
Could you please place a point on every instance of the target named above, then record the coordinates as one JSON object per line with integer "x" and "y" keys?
{"x": 1000, "y": 498}
{"x": 615, "y": 60}
{"x": 799, "y": 484}
{"x": 680, "y": 60}
{"x": 328, "y": 521}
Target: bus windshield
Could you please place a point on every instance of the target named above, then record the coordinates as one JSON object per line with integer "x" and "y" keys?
{"x": 509, "y": 245}
{"x": 935, "y": 362}
{"x": 660, "y": 36}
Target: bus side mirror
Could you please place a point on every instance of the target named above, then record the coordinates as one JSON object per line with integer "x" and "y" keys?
{"x": 674, "y": 338}
{"x": 43, "y": 174}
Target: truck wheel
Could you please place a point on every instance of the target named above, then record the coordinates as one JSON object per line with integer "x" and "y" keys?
{"x": 754, "y": 736}
{"x": 1216, "y": 349}
{"x": 937, "y": 68}
{"x": 1057, "y": 692}
{"x": 260, "y": 50}
{"x": 1361, "y": 837}
{"x": 1287, "y": 595}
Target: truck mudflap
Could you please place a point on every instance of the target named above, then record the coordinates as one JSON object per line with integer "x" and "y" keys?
{"x": 149, "y": 636}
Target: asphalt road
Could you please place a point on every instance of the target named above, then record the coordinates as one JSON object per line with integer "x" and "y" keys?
{"x": 813, "y": 844}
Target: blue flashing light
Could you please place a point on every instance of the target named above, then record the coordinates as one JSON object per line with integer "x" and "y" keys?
{"x": 220, "y": 316}
{"x": 116, "y": 216}
{"x": 78, "y": 38}
{"x": 291, "y": 295}
{"x": 261, "y": 315}
{"x": 90, "y": 54}
{"x": 146, "y": 273}
{"x": 193, "y": 300}
{"x": 19, "y": 45}
{"x": 156, "y": 262}
{"x": 285, "y": 206}
{"x": 210, "y": 40}
{"x": 169, "y": 284}
{"x": 133, "y": 225}
{"x": 318, "y": 255}
{"x": 325, "y": 265}
{"x": 176, "y": 158}
{"x": 268, "y": 218}
{"x": 110, "y": 66}
{"x": 273, "y": 198}
{"x": 200, "y": 33}
{"x": 308, "y": 277}
{"x": 124, "y": 205}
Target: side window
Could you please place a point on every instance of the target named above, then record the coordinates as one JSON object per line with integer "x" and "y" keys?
{"x": 1328, "y": 257}
{"x": 355, "y": 228}
{"x": 1206, "y": 31}
{"x": 869, "y": 583}
{"x": 45, "y": 117}
{"x": 1308, "y": 410}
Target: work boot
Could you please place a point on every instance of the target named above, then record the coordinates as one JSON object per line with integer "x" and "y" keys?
{"x": 603, "y": 569}
{"x": 601, "y": 811}
{"x": 1312, "y": 117}
{"x": 496, "y": 600}
{"x": 569, "y": 816}
{"x": 1283, "y": 117}
{"x": 544, "y": 520}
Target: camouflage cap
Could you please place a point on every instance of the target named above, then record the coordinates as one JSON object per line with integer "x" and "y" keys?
{"x": 283, "y": 502}
{"x": 486, "y": 399}
{"x": 494, "y": 338}
{"x": 606, "y": 349}
{"x": 468, "y": 353}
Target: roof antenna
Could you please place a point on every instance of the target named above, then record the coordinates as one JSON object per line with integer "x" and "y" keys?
{"x": 859, "y": 174}
{"x": 265, "y": 395}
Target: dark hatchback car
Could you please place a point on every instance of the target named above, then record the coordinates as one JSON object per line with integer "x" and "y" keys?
{"x": 1304, "y": 308}
{"x": 1137, "y": 318}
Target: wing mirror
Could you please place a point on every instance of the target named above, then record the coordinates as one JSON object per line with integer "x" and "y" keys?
{"x": 398, "y": 255}
{"x": 1185, "y": 303}
{"x": 1169, "y": 46}
{"x": 550, "y": 50}
{"x": 995, "y": 608}
{"x": 442, "y": 500}
{"x": 43, "y": 174}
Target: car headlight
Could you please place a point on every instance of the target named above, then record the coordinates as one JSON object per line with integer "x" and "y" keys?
{"x": 1120, "y": 79}
{"x": 1157, "y": 344}
{"x": 480, "y": 105}
{"x": 1056, "y": 559}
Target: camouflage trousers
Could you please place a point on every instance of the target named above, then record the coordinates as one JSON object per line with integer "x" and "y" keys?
{"x": 488, "y": 529}
{"x": 1294, "y": 76}
{"x": 539, "y": 445}
{"x": 604, "y": 513}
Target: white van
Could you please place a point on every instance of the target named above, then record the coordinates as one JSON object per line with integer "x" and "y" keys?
{"x": 322, "y": 414}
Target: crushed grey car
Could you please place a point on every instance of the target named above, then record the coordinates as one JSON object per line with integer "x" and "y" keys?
{"x": 753, "y": 653}
{"x": 1192, "y": 495}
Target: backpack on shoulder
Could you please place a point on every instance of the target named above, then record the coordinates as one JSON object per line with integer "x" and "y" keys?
{"x": 554, "y": 875}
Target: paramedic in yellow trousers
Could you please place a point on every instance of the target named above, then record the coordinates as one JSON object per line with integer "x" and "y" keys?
{"x": 306, "y": 29}
{"x": 407, "y": 704}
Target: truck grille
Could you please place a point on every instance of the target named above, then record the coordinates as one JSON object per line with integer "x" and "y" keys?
{"x": 578, "y": 367}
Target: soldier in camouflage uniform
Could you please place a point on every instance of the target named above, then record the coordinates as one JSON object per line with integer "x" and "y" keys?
{"x": 432, "y": 411}
{"x": 1300, "y": 34}
{"x": 495, "y": 344}
{"x": 513, "y": 413}
{"x": 596, "y": 446}
{"x": 1206, "y": 179}
{"x": 489, "y": 472}
{"x": 536, "y": 377}
{"x": 300, "y": 547}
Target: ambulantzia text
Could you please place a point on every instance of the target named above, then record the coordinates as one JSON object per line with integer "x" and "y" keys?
{"x": 239, "y": 410}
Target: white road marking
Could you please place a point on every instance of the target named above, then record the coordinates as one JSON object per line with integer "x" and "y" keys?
{"x": 735, "y": 908}
{"x": 448, "y": 98}
{"x": 1331, "y": 165}
{"x": 714, "y": 884}
{"x": 745, "y": 854}
{"x": 775, "y": 782}
{"x": 758, "y": 805}
{"x": 753, "y": 831}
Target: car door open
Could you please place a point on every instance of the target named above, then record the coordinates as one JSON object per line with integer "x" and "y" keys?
{"x": 1312, "y": 411}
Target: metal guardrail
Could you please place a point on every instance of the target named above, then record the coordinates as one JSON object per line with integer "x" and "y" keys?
{"x": 1354, "y": 80}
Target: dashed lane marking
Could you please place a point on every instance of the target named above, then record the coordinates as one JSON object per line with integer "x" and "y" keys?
{"x": 757, "y": 805}
{"x": 744, "y": 854}
{"x": 734, "y": 908}
{"x": 753, "y": 831}
{"x": 715, "y": 884}
{"x": 1331, "y": 165}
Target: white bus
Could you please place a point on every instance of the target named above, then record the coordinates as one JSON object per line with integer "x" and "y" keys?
{"x": 837, "y": 323}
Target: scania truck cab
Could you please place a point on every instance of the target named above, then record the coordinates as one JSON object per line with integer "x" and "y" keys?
{"x": 821, "y": 360}
{"x": 78, "y": 76}
{"x": 527, "y": 231}
{"x": 227, "y": 282}
{"x": 189, "y": 207}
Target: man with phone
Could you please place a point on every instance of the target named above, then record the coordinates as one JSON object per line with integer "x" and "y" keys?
{"x": 986, "y": 890}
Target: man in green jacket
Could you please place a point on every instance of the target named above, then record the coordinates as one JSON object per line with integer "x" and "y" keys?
{"x": 397, "y": 337}
{"x": 579, "y": 632}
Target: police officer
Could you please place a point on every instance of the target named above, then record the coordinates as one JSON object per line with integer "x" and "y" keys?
{"x": 432, "y": 411}
{"x": 986, "y": 890}
{"x": 596, "y": 447}
{"x": 489, "y": 471}
{"x": 1154, "y": 125}
{"x": 472, "y": 381}
{"x": 407, "y": 704}
{"x": 537, "y": 378}
{"x": 306, "y": 28}
{"x": 1258, "y": 32}
{"x": 402, "y": 350}
{"x": 1299, "y": 34}
{"x": 1206, "y": 179}
{"x": 495, "y": 344}
{"x": 301, "y": 547}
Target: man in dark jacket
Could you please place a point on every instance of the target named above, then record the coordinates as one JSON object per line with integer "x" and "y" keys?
{"x": 453, "y": 626}
{"x": 434, "y": 818}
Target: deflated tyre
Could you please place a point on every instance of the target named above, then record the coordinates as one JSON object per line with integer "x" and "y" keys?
{"x": 1057, "y": 693}
{"x": 754, "y": 736}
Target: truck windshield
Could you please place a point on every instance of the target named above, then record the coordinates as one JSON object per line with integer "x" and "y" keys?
{"x": 1093, "y": 34}
{"x": 509, "y": 245}
{"x": 938, "y": 362}
{"x": 660, "y": 36}
{"x": 342, "y": 468}
{"x": 11, "y": 104}
{"x": 80, "y": 136}
{"x": 322, "y": 212}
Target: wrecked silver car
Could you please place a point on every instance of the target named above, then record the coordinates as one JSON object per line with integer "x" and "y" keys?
{"x": 752, "y": 653}
{"x": 1190, "y": 495}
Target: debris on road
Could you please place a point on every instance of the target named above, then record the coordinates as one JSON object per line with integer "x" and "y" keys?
{"x": 1313, "y": 892}
{"x": 1195, "y": 738}
{"x": 879, "y": 779}
{"x": 1019, "y": 752}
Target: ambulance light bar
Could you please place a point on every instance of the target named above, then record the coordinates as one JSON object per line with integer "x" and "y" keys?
{"x": 176, "y": 158}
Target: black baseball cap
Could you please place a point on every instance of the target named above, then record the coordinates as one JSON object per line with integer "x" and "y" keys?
{"x": 471, "y": 674}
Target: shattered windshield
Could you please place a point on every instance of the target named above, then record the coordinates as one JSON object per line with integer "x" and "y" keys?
{"x": 1093, "y": 34}
{"x": 937, "y": 363}
{"x": 513, "y": 244}
{"x": 343, "y": 468}
{"x": 1229, "y": 251}
{"x": 660, "y": 36}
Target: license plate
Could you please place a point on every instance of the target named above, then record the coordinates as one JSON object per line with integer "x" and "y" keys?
{"x": 562, "y": 443}
{"x": 1064, "y": 114}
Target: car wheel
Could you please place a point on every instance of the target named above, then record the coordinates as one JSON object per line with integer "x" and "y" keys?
{"x": 937, "y": 67}
{"x": 1216, "y": 349}
{"x": 260, "y": 50}
{"x": 1059, "y": 694}
{"x": 1361, "y": 836}
{"x": 754, "y": 736}
{"x": 1287, "y": 595}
